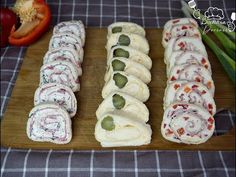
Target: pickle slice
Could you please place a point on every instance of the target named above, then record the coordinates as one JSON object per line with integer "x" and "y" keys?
{"x": 119, "y": 52}
{"x": 108, "y": 123}
{"x": 116, "y": 29}
{"x": 124, "y": 40}
{"x": 118, "y": 101}
{"x": 118, "y": 65}
{"x": 120, "y": 80}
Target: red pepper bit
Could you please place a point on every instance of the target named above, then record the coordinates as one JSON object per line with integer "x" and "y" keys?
{"x": 187, "y": 89}
{"x": 181, "y": 45}
{"x": 173, "y": 78}
{"x": 211, "y": 120}
{"x": 175, "y": 21}
{"x": 210, "y": 106}
{"x": 198, "y": 79}
{"x": 203, "y": 92}
{"x": 180, "y": 131}
{"x": 184, "y": 27}
{"x": 210, "y": 112}
{"x": 203, "y": 61}
{"x": 175, "y": 106}
{"x": 168, "y": 132}
{"x": 176, "y": 86}
{"x": 209, "y": 127}
{"x": 194, "y": 86}
{"x": 209, "y": 84}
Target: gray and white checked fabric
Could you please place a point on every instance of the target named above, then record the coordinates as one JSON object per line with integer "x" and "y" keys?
{"x": 33, "y": 163}
{"x": 51, "y": 163}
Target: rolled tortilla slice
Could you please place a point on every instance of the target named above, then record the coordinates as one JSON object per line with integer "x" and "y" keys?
{"x": 62, "y": 72}
{"x": 131, "y": 54}
{"x": 121, "y": 81}
{"x": 184, "y": 44}
{"x": 193, "y": 73}
{"x": 130, "y": 67}
{"x": 124, "y": 102}
{"x": 128, "y": 39}
{"x": 187, "y": 57}
{"x": 125, "y": 27}
{"x": 187, "y": 30}
{"x": 63, "y": 54}
{"x": 179, "y": 21}
{"x": 75, "y": 27}
{"x": 187, "y": 123}
{"x": 117, "y": 129}
{"x": 190, "y": 92}
{"x": 66, "y": 40}
{"x": 57, "y": 93}
{"x": 49, "y": 123}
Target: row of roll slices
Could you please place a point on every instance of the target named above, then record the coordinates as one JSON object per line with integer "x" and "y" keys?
{"x": 189, "y": 105}
{"x": 54, "y": 100}
{"x": 122, "y": 116}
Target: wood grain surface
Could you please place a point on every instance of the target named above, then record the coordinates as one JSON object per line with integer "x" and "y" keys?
{"x": 13, "y": 126}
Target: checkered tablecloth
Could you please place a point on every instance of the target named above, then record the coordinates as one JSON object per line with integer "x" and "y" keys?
{"x": 50, "y": 163}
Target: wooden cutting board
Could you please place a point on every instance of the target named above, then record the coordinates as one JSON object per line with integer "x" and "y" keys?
{"x": 13, "y": 126}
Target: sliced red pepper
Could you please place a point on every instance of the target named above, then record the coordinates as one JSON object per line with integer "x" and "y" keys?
{"x": 176, "y": 86}
{"x": 180, "y": 131}
{"x": 211, "y": 120}
{"x": 184, "y": 27}
{"x": 30, "y": 31}
{"x": 168, "y": 132}
{"x": 173, "y": 78}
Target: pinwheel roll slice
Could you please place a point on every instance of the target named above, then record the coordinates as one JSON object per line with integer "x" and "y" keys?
{"x": 49, "y": 123}
{"x": 184, "y": 44}
{"x": 128, "y": 39}
{"x": 193, "y": 73}
{"x": 63, "y": 54}
{"x": 62, "y": 72}
{"x": 121, "y": 81}
{"x": 58, "y": 93}
{"x": 125, "y": 27}
{"x": 124, "y": 102}
{"x": 75, "y": 27}
{"x": 179, "y": 21}
{"x": 187, "y": 57}
{"x": 187, "y": 30}
{"x": 131, "y": 54}
{"x": 117, "y": 129}
{"x": 187, "y": 123}
{"x": 66, "y": 40}
{"x": 130, "y": 67}
{"x": 190, "y": 92}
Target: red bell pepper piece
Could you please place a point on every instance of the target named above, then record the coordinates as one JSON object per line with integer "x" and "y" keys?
{"x": 35, "y": 18}
{"x": 8, "y": 19}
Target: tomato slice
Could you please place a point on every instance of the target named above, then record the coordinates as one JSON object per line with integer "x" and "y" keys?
{"x": 31, "y": 30}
